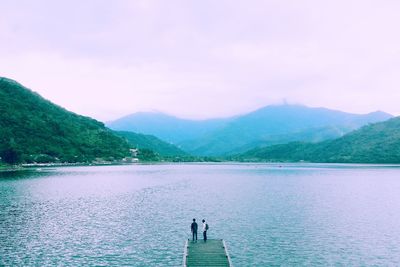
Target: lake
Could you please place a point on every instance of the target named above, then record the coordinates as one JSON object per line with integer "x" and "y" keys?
{"x": 140, "y": 215}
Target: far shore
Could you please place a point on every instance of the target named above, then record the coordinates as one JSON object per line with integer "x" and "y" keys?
{"x": 32, "y": 166}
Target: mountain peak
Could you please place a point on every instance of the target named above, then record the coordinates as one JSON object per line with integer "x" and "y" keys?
{"x": 380, "y": 113}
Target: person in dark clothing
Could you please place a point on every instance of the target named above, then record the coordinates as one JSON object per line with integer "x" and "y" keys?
{"x": 194, "y": 227}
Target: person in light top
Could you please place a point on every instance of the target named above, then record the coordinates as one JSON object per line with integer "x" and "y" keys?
{"x": 205, "y": 228}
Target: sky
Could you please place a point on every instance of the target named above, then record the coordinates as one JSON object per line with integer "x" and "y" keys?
{"x": 204, "y": 59}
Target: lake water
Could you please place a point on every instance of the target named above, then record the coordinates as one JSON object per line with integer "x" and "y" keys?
{"x": 140, "y": 215}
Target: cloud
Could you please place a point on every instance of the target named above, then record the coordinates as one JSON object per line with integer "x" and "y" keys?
{"x": 204, "y": 59}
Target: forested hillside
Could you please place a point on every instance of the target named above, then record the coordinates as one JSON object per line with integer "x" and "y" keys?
{"x": 142, "y": 141}
{"x": 32, "y": 129}
{"x": 375, "y": 143}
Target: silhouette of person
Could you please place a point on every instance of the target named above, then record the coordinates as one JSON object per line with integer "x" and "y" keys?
{"x": 193, "y": 228}
{"x": 205, "y": 228}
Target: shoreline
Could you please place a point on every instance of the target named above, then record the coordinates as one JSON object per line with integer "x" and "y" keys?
{"x": 11, "y": 169}
{"x": 38, "y": 166}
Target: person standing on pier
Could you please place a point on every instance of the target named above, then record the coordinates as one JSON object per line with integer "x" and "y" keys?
{"x": 205, "y": 228}
{"x": 194, "y": 227}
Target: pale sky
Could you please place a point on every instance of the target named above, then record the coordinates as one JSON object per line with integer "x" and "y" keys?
{"x": 204, "y": 59}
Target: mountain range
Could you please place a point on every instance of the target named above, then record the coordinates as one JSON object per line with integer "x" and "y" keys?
{"x": 275, "y": 124}
{"x": 32, "y": 129}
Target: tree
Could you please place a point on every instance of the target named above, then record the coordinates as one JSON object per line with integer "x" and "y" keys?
{"x": 10, "y": 155}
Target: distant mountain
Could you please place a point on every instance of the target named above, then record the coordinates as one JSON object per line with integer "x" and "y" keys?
{"x": 374, "y": 143}
{"x": 151, "y": 142}
{"x": 166, "y": 127}
{"x": 275, "y": 124}
{"x": 279, "y": 124}
{"x": 32, "y": 129}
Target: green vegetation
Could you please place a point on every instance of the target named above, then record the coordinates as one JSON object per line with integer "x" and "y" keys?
{"x": 375, "y": 143}
{"x": 150, "y": 142}
{"x": 152, "y": 149}
{"x": 32, "y": 129}
{"x": 148, "y": 155}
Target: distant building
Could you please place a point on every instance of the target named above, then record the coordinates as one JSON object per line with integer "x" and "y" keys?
{"x": 134, "y": 152}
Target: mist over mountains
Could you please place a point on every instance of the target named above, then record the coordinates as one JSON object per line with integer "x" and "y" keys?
{"x": 275, "y": 124}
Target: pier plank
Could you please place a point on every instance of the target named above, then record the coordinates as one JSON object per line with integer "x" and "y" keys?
{"x": 210, "y": 253}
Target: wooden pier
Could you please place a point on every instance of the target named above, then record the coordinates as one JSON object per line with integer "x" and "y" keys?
{"x": 212, "y": 253}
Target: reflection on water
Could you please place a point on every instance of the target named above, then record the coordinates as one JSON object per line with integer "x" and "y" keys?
{"x": 140, "y": 215}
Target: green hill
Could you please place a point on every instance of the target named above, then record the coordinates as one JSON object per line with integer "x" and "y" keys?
{"x": 374, "y": 143}
{"x": 32, "y": 129}
{"x": 142, "y": 141}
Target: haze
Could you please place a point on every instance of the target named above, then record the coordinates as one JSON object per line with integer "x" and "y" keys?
{"x": 203, "y": 59}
